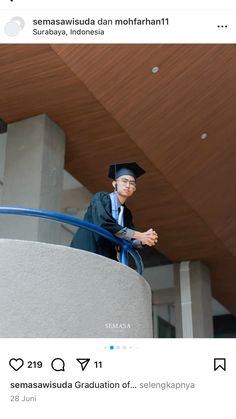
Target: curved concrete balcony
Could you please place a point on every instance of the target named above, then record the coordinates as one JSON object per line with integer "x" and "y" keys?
{"x": 55, "y": 291}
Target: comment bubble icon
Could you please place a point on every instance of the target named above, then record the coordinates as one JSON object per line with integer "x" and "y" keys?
{"x": 58, "y": 364}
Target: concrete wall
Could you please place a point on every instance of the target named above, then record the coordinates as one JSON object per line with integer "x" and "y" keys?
{"x": 55, "y": 291}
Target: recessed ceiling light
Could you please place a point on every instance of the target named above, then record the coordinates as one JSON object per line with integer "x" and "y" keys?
{"x": 155, "y": 70}
{"x": 204, "y": 136}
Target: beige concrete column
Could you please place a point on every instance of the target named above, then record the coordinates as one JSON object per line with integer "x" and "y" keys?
{"x": 193, "y": 300}
{"x": 33, "y": 177}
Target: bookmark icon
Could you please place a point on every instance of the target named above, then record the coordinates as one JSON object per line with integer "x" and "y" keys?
{"x": 219, "y": 363}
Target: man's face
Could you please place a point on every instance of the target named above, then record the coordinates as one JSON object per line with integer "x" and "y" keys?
{"x": 126, "y": 185}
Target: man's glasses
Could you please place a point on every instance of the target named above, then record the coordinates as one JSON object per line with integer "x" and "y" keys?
{"x": 125, "y": 182}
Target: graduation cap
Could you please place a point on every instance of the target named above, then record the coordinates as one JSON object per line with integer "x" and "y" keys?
{"x": 130, "y": 168}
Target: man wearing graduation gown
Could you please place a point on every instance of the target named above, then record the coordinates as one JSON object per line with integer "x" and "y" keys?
{"x": 118, "y": 221}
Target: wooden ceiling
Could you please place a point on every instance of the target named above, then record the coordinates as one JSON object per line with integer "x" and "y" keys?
{"x": 114, "y": 108}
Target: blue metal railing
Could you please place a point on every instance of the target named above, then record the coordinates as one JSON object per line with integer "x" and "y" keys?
{"x": 126, "y": 247}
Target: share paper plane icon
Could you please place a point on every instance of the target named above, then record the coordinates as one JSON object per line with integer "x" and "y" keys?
{"x": 83, "y": 362}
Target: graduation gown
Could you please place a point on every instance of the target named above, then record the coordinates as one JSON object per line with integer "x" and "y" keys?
{"x": 99, "y": 212}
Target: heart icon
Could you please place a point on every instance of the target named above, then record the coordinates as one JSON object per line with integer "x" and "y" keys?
{"x": 16, "y": 364}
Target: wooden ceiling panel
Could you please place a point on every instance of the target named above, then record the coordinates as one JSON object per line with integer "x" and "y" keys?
{"x": 32, "y": 86}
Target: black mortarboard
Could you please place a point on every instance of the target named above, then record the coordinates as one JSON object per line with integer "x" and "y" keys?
{"x": 131, "y": 168}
